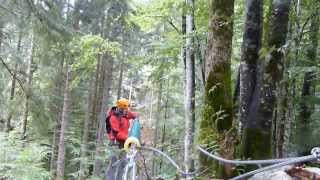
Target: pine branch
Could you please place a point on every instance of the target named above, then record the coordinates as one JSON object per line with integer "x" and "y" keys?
{"x": 42, "y": 16}
{"x": 169, "y": 20}
{"x": 11, "y": 73}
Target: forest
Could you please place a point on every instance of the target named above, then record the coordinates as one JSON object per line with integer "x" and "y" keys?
{"x": 237, "y": 79}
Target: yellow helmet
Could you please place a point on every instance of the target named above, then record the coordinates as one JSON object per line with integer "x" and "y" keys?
{"x": 123, "y": 104}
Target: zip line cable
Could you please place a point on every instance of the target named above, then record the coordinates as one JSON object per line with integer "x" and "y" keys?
{"x": 182, "y": 172}
{"x": 267, "y": 168}
{"x": 248, "y": 162}
{"x": 315, "y": 155}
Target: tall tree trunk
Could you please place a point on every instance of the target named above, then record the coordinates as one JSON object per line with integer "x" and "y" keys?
{"x": 282, "y": 111}
{"x": 284, "y": 117}
{"x": 55, "y": 146}
{"x": 120, "y": 80}
{"x": 28, "y": 89}
{"x": 163, "y": 134}
{"x": 309, "y": 87}
{"x": 96, "y": 104}
{"x": 183, "y": 48}
{"x": 97, "y": 95}
{"x": 189, "y": 89}
{"x": 85, "y": 136}
{"x": 1, "y": 36}
{"x": 218, "y": 111}
{"x": 13, "y": 83}
{"x": 151, "y": 109}
{"x": 156, "y": 131}
{"x": 108, "y": 67}
{"x": 57, "y": 110}
{"x": 266, "y": 22}
{"x": 251, "y": 45}
{"x": 261, "y": 109}
{"x": 122, "y": 64}
{"x": 1, "y": 39}
{"x": 64, "y": 125}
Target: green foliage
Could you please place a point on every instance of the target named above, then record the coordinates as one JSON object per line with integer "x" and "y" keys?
{"x": 151, "y": 15}
{"x": 88, "y": 49}
{"x": 20, "y": 160}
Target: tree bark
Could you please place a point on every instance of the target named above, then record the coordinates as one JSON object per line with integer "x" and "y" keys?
{"x": 258, "y": 133}
{"x": 28, "y": 90}
{"x": 64, "y": 125}
{"x": 189, "y": 89}
{"x": 85, "y": 136}
{"x": 281, "y": 113}
{"x": 183, "y": 48}
{"x": 252, "y": 41}
{"x": 97, "y": 95}
{"x": 13, "y": 83}
{"x": 309, "y": 87}
{"x": 57, "y": 111}
{"x": 120, "y": 80}
{"x": 156, "y": 131}
{"x": 282, "y": 122}
{"x": 163, "y": 134}
{"x": 107, "y": 77}
{"x": 1, "y": 36}
{"x": 216, "y": 124}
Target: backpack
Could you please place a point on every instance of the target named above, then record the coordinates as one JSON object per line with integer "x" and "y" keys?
{"x": 108, "y": 124}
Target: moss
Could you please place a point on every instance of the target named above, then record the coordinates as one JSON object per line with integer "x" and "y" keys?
{"x": 254, "y": 144}
{"x": 217, "y": 114}
{"x": 218, "y": 97}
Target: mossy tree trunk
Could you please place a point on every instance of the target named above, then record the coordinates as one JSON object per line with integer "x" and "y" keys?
{"x": 249, "y": 74}
{"x": 257, "y": 135}
{"x": 218, "y": 111}
{"x": 308, "y": 87}
{"x": 250, "y": 54}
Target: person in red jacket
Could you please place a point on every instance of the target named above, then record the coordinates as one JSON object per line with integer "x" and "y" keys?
{"x": 120, "y": 118}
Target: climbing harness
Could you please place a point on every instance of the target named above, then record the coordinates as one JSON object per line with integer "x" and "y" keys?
{"x": 130, "y": 146}
{"x": 131, "y": 167}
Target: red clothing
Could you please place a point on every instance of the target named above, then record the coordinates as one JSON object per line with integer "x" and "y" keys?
{"x": 120, "y": 123}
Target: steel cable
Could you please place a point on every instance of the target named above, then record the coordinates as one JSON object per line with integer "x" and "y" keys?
{"x": 170, "y": 160}
{"x": 293, "y": 161}
{"x": 255, "y": 162}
